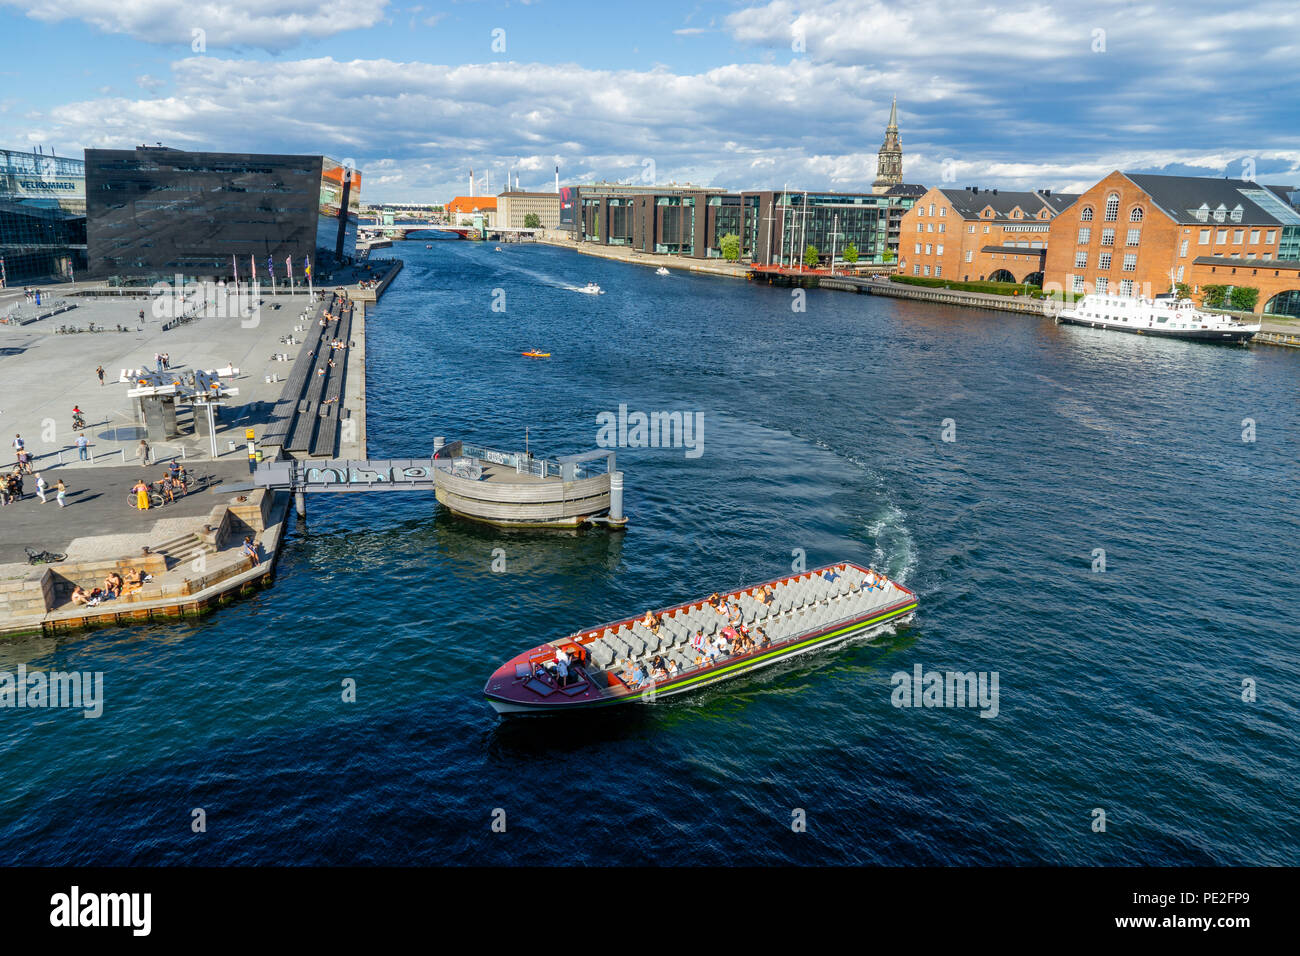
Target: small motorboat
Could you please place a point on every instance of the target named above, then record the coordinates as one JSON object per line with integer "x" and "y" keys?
{"x": 498, "y": 248}
{"x": 428, "y": 245}
{"x": 592, "y": 289}
{"x": 534, "y": 353}
{"x": 661, "y": 271}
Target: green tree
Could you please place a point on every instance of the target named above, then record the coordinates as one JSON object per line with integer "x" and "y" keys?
{"x": 1183, "y": 290}
{"x": 532, "y": 221}
{"x": 730, "y": 247}
{"x": 1244, "y": 297}
{"x": 1213, "y": 296}
{"x": 850, "y": 253}
{"x": 887, "y": 255}
{"x": 811, "y": 256}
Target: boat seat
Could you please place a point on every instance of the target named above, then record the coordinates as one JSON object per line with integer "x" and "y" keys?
{"x": 539, "y": 687}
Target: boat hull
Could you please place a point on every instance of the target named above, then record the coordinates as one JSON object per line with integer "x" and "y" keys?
{"x": 878, "y": 619}
{"x": 1228, "y": 336}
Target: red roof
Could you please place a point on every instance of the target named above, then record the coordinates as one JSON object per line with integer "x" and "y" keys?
{"x": 472, "y": 204}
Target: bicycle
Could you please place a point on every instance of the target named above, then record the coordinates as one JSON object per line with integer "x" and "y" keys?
{"x": 43, "y": 557}
{"x": 156, "y": 499}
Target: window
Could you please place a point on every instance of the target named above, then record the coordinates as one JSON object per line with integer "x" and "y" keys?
{"x": 971, "y": 229}
{"x": 1203, "y": 214}
{"x": 1236, "y": 213}
{"x": 926, "y": 270}
{"x": 1254, "y": 236}
{"x": 943, "y": 227}
{"x": 918, "y": 248}
{"x": 938, "y": 250}
{"x": 1269, "y": 237}
{"x": 1112, "y": 207}
{"x": 929, "y": 227}
{"x": 1130, "y": 262}
{"x": 1086, "y": 214}
{"x": 1220, "y": 213}
{"x": 931, "y": 209}
{"x": 986, "y": 230}
{"x": 919, "y": 227}
{"x": 1180, "y": 274}
{"x": 1204, "y": 240}
{"x": 943, "y": 211}
{"x": 1101, "y": 284}
{"x": 970, "y": 255}
{"x": 1081, "y": 259}
{"x": 1126, "y": 287}
{"x": 1220, "y": 237}
{"x": 1133, "y": 236}
{"x": 1103, "y": 261}
{"x": 1238, "y": 236}
{"x": 1182, "y": 249}
{"x": 1076, "y": 283}
{"x": 1084, "y": 235}
{"x": 1135, "y": 214}
{"x": 916, "y": 270}
{"x": 938, "y": 272}
{"x": 1108, "y": 237}
{"x": 927, "y": 248}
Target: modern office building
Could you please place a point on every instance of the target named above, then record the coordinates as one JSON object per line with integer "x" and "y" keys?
{"x": 787, "y": 223}
{"x": 42, "y": 217}
{"x": 673, "y": 219}
{"x": 154, "y": 212}
{"x": 973, "y": 234}
{"x": 514, "y": 207}
{"x": 1136, "y": 233}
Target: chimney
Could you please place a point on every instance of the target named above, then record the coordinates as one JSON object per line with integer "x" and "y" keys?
{"x": 557, "y": 180}
{"x": 995, "y": 192}
{"x": 471, "y": 182}
{"x": 975, "y": 190}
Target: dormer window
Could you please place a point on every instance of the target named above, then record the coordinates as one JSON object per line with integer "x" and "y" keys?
{"x": 1203, "y": 214}
{"x": 1236, "y": 213}
{"x": 1221, "y": 213}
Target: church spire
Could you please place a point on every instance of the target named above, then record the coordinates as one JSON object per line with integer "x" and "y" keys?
{"x": 889, "y": 162}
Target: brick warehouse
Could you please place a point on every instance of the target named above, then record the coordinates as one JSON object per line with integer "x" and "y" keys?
{"x": 1134, "y": 234}
{"x": 972, "y": 235}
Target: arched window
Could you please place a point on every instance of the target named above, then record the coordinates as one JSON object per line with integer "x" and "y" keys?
{"x": 1112, "y": 207}
{"x": 1086, "y": 214}
{"x": 1135, "y": 215}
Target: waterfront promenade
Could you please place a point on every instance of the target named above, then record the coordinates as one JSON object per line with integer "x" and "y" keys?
{"x": 713, "y": 267}
{"x": 192, "y": 546}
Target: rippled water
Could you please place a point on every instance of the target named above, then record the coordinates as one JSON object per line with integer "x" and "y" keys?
{"x": 822, "y": 432}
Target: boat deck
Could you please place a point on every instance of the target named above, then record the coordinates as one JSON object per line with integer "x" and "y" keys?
{"x": 809, "y": 608}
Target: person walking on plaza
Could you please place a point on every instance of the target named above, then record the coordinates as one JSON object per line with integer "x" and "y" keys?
{"x": 100, "y": 372}
{"x": 60, "y": 493}
{"x": 40, "y": 487}
{"x": 83, "y": 450}
{"x": 142, "y": 451}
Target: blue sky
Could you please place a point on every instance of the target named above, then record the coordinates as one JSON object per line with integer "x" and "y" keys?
{"x": 742, "y": 94}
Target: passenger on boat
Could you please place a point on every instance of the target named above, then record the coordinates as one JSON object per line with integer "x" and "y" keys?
{"x": 721, "y": 644}
{"x": 640, "y": 676}
{"x": 561, "y": 666}
{"x": 767, "y": 595}
{"x": 697, "y": 641}
{"x": 673, "y": 669}
{"x": 830, "y": 574}
{"x": 658, "y": 670}
{"x": 651, "y": 621}
{"x": 761, "y": 637}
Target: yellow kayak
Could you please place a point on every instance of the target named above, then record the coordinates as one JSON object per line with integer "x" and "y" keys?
{"x": 535, "y": 354}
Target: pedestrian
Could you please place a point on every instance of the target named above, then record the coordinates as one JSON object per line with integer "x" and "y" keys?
{"x": 100, "y": 372}
{"x": 167, "y": 360}
{"x": 40, "y": 487}
{"x": 83, "y": 451}
{"x": 142, "y": 451}
{"x": 157, "y": 361}
{"x": 61, "y": 493}
{"x": 18, "y": 443}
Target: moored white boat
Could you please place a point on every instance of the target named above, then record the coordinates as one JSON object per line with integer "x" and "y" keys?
{"x": 1165, "y": 316}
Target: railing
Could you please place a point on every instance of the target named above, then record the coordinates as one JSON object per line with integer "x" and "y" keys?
{"x": 525, "y": 464}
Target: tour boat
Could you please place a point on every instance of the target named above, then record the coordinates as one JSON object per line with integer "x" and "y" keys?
{"x": 534, "y": 353}
{"x": 592, "y": 289}
{"x": 1165, "y": 316}
{"x": 809, "y": 611}
{"x": 661, "y": 271}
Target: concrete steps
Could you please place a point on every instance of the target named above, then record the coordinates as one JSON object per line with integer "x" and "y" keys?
{"x": 185, "y": 547}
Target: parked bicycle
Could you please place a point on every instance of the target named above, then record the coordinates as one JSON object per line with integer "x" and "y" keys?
{"x": 43, "y": 557}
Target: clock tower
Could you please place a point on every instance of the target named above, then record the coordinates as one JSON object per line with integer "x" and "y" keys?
{"x": 889, "y": 165}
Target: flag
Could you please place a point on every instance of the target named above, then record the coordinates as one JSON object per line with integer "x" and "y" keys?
{"x": 270, "y": 267}
{"x": 252, "y": 263}
{"x": 288, "y": 267}
{"x": 235, "y": 266}
{"x": 306, "y": 266}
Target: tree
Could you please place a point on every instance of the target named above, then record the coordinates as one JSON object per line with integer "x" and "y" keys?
{"x": 887, "y": 255}
{"x": 850, "y": 253}
{"x": 532, "y": 221}
{"x": 1212, "y": 296}
{"x": 1243, "y": 298}
{"x": 1183, "y": 290}
{"x": 811, "y": 256}
{"x": 729, "y": 245}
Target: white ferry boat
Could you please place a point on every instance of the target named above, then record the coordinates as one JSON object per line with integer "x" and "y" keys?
{"x": 592, "y": 289}
{"x": 1166, "y": 316}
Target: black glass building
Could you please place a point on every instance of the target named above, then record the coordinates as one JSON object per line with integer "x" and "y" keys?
{"x": 42, "y": 217}
{"x": 154, "y": 212}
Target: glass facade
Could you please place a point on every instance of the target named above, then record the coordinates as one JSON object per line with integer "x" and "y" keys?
{"x": 42, "y": 217}
{"x": 861, "y": 220}
{"x": 155, "y": 212}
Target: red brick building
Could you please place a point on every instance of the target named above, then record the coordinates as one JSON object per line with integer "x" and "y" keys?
{"x": 971, "y": 235}
{"x": 1136, "y": 234}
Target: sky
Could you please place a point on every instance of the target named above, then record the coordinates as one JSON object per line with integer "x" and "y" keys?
{"x": 742, "y": 94}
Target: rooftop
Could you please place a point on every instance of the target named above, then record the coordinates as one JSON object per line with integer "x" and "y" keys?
{"x": 971, "y": 202}
{"x": 1193, "y": 199}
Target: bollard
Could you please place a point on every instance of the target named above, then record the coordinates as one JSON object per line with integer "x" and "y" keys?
{"x": 438, "y": 442}
{"x": 122, "y": 452}
{"x": 616, "y": 496}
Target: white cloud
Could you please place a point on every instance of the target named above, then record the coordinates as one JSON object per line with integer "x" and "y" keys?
{"x": 273, "y": 25}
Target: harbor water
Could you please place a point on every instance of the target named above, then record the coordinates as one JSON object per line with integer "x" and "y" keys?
{"x": 1104, "y": 521}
